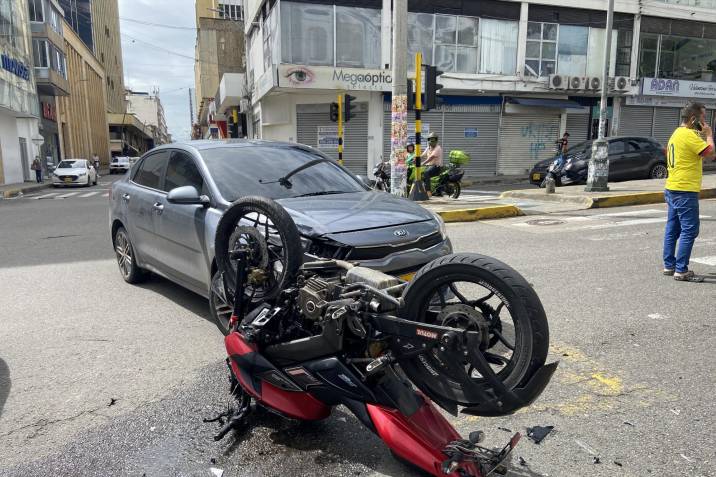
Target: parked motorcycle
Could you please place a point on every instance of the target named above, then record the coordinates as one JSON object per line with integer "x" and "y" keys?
{"x": 468, "y": 331}
{"x": 381, "y": 172}
{"x": 554, "y": 172}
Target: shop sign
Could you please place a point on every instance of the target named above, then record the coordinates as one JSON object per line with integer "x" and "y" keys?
{"x": 665, "y": 101}
{"x": 337, "y": 78}
{"x": 679, "y": 88}
{"x": 48, "y": 112}
{"x": 16, "y": 67}
{"x": 328, "y": 138}
{"x": 471, "y": 133}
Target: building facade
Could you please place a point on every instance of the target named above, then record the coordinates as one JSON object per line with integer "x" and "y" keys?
{"x": 20, "y": 140}
{"x": 107, "y": 47}
{"x": 149, "y": 110}
{"x": 220, "y": 49}
{"x": 516, "y": 74}
{"x": 50, "y": 66}
{"x": 81, "y": 115}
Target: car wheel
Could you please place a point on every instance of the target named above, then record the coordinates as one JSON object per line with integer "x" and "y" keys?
{"x": 219, "y": 307}
{"x": 659, "y": 171}
{"x": 126, "y": 259}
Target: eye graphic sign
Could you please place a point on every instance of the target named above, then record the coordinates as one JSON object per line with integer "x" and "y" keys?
{"x": 338, "y": 78}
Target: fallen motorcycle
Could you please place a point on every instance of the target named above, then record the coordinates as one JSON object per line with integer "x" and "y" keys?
{"x": 467, "y": 332}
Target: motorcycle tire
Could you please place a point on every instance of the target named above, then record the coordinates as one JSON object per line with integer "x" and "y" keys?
{"x": 530, "y": 323}
{"x": 285, "y": 228}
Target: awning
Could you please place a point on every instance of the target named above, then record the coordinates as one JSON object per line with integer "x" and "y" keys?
{"x": 545, "y": 103}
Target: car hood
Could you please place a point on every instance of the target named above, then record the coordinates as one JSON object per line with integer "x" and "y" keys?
{"x": 74, "y": 171}
{"x": 338, "y": 213}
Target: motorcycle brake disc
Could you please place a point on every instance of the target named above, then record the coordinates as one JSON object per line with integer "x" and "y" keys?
{"x": 255, "y": 241}
{"x": 465, "y": 317}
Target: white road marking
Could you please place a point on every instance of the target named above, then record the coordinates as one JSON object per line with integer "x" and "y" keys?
{"x": 64, "y": 196}
{"x": 105, "y": 195}
{"x": 631, "y": 213}
{"x": 706, "y": 260}
{"x": 46, "y": 196}
{"x": 656, "y": 316}
{"x": 89, "y": 194}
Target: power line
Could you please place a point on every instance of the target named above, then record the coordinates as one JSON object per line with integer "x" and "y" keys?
{"x": 161, "y": 25}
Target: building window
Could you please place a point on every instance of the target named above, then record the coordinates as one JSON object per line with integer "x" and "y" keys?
{"x": 357, "y": 37}
{"x": 572, "y": 50}
{"x": 541, "y": 52}
{"x": 648, "y": 50}
{"x": 37, "y": 11}
{"x": 420, "y": 36}
{"x": 10, "y": 32}
{"x": 230, "y": 11}
{"x": 40, "y": 54}
{"x": 498, "y": 47}
{"x": 686, "y": 58}
{"x": 307, "y": 34}
{"x": 55, "y": 20}
{"x": 456, "y": 43}
{"x": 58, "y": 61}
{"x": 270, "y": 41}
{"x": 623, "y": 61}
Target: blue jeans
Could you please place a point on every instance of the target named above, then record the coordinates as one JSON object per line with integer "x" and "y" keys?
{"x": 682, "y": 224}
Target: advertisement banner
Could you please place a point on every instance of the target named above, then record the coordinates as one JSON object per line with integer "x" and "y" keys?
{"x": 678, "y": 88}
{"x": 328, "y": 138}
{"x": 329, "y": 77}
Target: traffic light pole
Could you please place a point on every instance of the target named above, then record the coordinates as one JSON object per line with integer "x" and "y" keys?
{"x": 417, "y": 191}
{"x": 340, "y": 129}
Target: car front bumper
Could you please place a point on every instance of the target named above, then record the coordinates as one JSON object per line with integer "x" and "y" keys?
{"x": 405, "y": 262}
{"x": 81, "y": 180}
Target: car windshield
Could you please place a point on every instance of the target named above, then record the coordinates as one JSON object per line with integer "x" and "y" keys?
{"x": 581, "y": 147}
{"x": 71, "y": 164}
{"x": 237, "y": 172}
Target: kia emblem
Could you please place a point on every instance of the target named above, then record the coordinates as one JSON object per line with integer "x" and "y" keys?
{"x": 400, "y": 233}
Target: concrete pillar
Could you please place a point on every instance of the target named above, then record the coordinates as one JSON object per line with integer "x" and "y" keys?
{"x": 522, "y": 39}
{"x": 386, "y": 26}
{"x": 634, "y": 61}
{"x": 375, "y": 130}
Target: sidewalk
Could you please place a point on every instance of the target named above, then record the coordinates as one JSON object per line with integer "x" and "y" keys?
{"x": 533, "y": 200}
{"x": 13, "y": 190}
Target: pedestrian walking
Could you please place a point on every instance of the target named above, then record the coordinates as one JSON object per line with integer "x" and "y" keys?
{"x": 690, "y": 143}
{"x": 37, "y": 167}
{"x": 95, "y": 162}
{"x": 432, "y": 160}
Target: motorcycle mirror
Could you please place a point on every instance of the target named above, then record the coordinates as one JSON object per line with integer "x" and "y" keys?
{"x": 364, "y": 180}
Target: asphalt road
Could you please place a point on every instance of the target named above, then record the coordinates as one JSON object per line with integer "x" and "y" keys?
{"x": 102, "y": 378}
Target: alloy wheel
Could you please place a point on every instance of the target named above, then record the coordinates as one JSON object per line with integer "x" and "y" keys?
{"x": 125, "y": 259}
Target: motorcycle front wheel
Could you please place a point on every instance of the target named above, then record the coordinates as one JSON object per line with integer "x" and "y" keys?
{"x": 477, "y": 293}
{"x": 453, "y": 189}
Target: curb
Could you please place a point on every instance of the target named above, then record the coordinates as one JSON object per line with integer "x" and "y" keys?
{"x": 480, "y": 213}
{"x": 10, "y": 193}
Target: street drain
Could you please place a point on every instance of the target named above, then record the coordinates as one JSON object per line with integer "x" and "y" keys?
{"x": 545, "y": 222}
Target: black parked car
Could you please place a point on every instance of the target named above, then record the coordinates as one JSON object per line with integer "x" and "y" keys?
{"x": 629, "y": 158}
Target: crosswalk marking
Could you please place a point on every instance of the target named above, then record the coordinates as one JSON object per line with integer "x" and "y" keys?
{"x": 64, "y": 196}
{"x": 106, "y": 194}
{"x": 46, "y": 196}
{"x": 89, "y": 194}
{"x": 706, "y": 260}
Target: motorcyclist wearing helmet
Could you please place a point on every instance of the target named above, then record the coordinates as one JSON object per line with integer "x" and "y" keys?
{"x": 432, "y": 160}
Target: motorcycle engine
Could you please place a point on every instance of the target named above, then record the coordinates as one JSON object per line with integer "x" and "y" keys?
{"x": 314, "y": 295}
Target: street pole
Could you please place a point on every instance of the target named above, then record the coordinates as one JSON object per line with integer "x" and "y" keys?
{"x": 399, "y": 102}
{"x": 598, "y": 174}
{"x": 340, "y": 129}
{"x": 417, "y": 191}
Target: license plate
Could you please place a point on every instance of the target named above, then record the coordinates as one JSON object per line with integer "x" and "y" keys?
{"x": 67, "y": 179}
{"x": 407, "y": 277}
{"x": 536, "y": 177}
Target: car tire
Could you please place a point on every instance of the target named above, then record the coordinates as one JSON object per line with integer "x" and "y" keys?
{"x": 658, "y": 171}
{"x": 126, "y": 259}
{"x": 218, "y": 307}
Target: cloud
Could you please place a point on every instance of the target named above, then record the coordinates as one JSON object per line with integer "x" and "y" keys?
{"x": 147, "y": 64}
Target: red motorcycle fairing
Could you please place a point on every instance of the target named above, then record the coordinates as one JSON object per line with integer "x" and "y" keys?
{"x": 296, "y": 404}
{"x": 420, "y": 438}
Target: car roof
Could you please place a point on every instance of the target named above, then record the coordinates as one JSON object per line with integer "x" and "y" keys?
{"x": 73, "y": 159}
{"x": 206, "y": 144}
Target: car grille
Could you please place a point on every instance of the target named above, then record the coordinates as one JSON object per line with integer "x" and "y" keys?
{"x": 382, "y": 251}
{"x": 74, "y": 178}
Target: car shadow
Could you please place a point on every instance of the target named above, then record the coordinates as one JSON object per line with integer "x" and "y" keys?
{"x": 5, "y": 384}
{"x": 187, "y": 299}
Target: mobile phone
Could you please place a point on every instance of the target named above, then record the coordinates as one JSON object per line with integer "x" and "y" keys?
{"x": 698, "y": 126}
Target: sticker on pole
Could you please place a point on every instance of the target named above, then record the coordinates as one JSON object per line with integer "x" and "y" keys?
{"x": 328, "y": 138}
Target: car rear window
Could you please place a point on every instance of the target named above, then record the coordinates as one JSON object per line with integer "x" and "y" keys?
{"x": 255, "y": 170}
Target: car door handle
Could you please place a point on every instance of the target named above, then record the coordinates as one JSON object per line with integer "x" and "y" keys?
{"x": 125, "y": 197}
{"x": 158, "y": 207}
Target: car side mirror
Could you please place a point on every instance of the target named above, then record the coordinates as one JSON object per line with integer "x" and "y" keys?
{"x": 187, "y": 195}
{"x": 365, "y": 181}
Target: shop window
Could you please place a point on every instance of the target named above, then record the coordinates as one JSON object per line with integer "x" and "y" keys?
{"x": 357, "y": 37}
{"x": 420, "y": 37}
{"x": 498, "y": 46}
{"x": 623, "y": 56}
{"x": 648, "y": 50}
{"x": 307, "y": 34}
{"x": 541, "y": 52}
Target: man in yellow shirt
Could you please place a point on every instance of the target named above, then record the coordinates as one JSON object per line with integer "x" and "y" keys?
{"x": 689, "y": 145}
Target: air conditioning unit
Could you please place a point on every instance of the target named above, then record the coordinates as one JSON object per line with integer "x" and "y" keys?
{"x": 576, "y": 82}
{"x": 558, "y": 81}
{"x": 594, "y": 83}
{"x": 622, "y": 83}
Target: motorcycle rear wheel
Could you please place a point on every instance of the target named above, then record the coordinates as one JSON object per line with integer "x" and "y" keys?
{"x": 430, "y": 298}
{"x": 453, "y": 189}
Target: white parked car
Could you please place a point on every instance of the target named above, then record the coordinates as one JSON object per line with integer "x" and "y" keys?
{"x": 74, "y": 172}
{"x": 119, "y": 164}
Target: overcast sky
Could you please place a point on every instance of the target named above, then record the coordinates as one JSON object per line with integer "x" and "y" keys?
{"x": 160, "y": 57}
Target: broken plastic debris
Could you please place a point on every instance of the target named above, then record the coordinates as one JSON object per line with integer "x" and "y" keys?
{"x": 538, "y": 433}
{"x": 628, "y": 423}
{"x": 687, "y": 459}
{"x": 585, "y": 447}
{"x": 112, "y": 402}
{"x": 597, "y": 460}
{"x": 152, "y": 428}
{"x": 676, "y": 411}
{"x": 522, "y": 461}
{"x": 616, "y": 462}
{"x": 505, "y": 429}
{"x": 217, "y": 472}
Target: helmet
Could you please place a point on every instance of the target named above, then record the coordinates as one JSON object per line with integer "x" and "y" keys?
{"x": 432, "y": 135}
{"x": 409, "y": 145}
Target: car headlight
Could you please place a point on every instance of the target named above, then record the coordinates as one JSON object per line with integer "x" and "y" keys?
{"x": 441, "y": 225}
{"x": 82, "y": 174}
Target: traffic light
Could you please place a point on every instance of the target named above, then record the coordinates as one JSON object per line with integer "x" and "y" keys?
{"x": 431, "y": 87}
{"x": 349, "y": 108}
{"x": 334, "y": 112}
{"x": 411, "y": 95}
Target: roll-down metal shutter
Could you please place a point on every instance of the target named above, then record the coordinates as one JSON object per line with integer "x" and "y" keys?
{"x": 636, "y": 121}
{"x": 526, "y": 139}
{"x": 355, "y": 143}
{"x": 665, "y": 121}
{"x": 577, "y": 127}
{"x": 482, "y": 149}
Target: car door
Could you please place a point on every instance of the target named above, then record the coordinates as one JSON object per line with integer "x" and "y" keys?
{"x": 634, "y": 158}
{"x": 143, "y": 199}
{"x": 617, "y": 165}
{"x": 180, "y": 227}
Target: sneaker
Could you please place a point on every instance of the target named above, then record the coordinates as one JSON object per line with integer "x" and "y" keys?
{"x": 688, "y": 276}
{"x": 669, "y": 272}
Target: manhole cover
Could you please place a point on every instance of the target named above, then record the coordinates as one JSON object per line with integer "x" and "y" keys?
{"x": 545, "y": 222}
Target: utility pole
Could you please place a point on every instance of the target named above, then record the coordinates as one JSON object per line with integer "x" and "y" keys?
{"x": 598, "y": 174}
{"x": 191, "y": 113}
{"x": 417, "y": 191}
{"x": 399, "y": 102}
